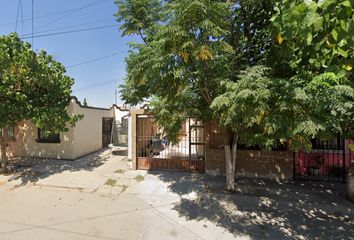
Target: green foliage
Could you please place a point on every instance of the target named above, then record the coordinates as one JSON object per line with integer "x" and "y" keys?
{"x": 33, "y": 87}
{"x": 351, "y": 147}
{"x": 181, "y": 66}
{"x": 266, "y": 110}
{"x": 315, "y": 47}
{"x": 250, "y": 36}
{"x": 138, "y": 16}
{"x": 206, "y": 59}
{"x": 316, "y": 36}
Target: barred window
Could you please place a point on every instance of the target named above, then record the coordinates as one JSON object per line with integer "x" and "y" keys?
{"x": 47, "y": 137}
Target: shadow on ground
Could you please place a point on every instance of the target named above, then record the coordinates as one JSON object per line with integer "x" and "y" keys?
{"x": 30, "y": 170}
{"x": 264, "y": 209}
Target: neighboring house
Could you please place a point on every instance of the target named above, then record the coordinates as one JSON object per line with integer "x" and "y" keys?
{"x": 90, "y": 134}
{"x": 200, "y": 149}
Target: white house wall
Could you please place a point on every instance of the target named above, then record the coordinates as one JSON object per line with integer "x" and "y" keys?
{"x": 84, "y": 138}
{"x": 87, "y": 136}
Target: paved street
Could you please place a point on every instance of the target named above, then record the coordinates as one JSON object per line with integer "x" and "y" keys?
{"x": 98, "y": 197}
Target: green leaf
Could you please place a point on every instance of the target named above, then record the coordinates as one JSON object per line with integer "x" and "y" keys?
{"x": 318, "y": 23}
{"x": 309, "y": 38}
{"x": 346, "y": 3}
{"x": 342, "y": 52}
{"x": 335, "y": 34}
{"x": 344, "y": 25}
{"x": 351, "y": 147}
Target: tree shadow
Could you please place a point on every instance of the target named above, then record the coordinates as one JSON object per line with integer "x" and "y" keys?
{"x": 30, "y": 170}
{"x": 265, "y": 209}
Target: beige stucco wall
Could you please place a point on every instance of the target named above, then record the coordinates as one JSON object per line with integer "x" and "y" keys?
{"x": 84, "y": 138}
{"x": 249, "y": 163}
{"x": 87, "y": 136}
{"x": 252, "y": 163}
{"x": 25, "y": 144}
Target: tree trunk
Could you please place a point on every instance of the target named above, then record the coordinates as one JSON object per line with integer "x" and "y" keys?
{"x": 230, "y": 159}
{"x": 3, "y": 143}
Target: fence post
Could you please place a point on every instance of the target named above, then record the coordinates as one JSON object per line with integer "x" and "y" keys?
{"x": 344, "y": 170}
{"x": 294, "y": 170}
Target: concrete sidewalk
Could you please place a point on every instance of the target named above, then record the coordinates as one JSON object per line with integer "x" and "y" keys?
{"x": 99, "y": 197}
{"x": 87, "y": 174}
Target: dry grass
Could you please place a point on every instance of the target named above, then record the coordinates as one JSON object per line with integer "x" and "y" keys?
{"x": 139, "y": 178}
{"x": 124, "y": 187}
{"x": 111, "y": 182}
{"x": 119, "y": 171}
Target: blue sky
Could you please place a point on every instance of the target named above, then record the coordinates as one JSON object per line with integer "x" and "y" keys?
{"x": 94, "y": 81}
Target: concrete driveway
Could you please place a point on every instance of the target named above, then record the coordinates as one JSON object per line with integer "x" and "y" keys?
{"x": 98, "y": 197}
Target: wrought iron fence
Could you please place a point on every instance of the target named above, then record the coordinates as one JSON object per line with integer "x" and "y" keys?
{"x": 153, "y": 148}
{"x": 326, "y": 161}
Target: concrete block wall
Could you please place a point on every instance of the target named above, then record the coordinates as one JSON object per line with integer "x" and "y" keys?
{"x": 249, "y": 163}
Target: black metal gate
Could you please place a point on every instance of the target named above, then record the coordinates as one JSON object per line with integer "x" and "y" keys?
{"x": 154, "y": 151}
{"x": 326, "y": 161}
{"x": 107, "y": 124}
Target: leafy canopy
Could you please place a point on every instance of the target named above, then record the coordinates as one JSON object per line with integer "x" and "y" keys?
{"x": 188, "y": 53}
{"x": 316, "y": 36}
{"x": 33, "y": 86}
{"x": 266, "y": 78}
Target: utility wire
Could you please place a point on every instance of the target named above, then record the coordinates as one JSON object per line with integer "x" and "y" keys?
{"x": 71, "y": 13}
{"x": 39, "y": 17}
{"x": 21, "y": 17}
{"x": 95, "y": 59}
{"x": 73, "y": 31}
{"x": 95, "y": 85}
{"x": 67, "y": 27}
{"x": 32, "y": 23}
{"x": 18, "y": 13}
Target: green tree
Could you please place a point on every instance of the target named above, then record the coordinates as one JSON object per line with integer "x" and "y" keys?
{"x": 32, "y": 87}
{"x": 315, "y": 36}
{"x": 188, "y": 54}
{"x": 315, "y": 45}
{"x": 308, "y": 92}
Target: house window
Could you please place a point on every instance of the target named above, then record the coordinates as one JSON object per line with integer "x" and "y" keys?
{"x": 46, "y": 137}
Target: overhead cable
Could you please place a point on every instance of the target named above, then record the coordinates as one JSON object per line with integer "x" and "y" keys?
{"x": 73, "y": 31}
{"x": 71, "y": 13}
{"x": 95, "y": 85}
{"x": 95, "y": 59}
{"x": 66, "y": 27}
{"x": 39, "y": 17}
{"x": 18, "y": 13}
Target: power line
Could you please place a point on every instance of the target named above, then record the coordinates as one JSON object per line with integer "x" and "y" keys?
{"x": 18, "y": 13}
{"x": 95, "y": 59}
{"x": 71, "y": 26}
{"x": 73, "y": 31}
{"x": 95, "y": 85}
{"x": 70, "y": 13}
{"x": 32, "y": 22}
{"x": 39, "y": 17}
{"x": 21, "y": 17}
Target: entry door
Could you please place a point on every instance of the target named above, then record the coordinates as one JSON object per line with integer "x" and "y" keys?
{"x": 106, "y": 131}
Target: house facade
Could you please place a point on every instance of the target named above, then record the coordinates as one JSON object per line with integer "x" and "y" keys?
{"x": 90, "y": 134}
{"x": 200, "y": 149}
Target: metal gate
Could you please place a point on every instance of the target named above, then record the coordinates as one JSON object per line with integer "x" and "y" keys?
{"x": 106, "y": 131}
{"x": 154, "y": 150}
{"x": 327, "y": 161}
